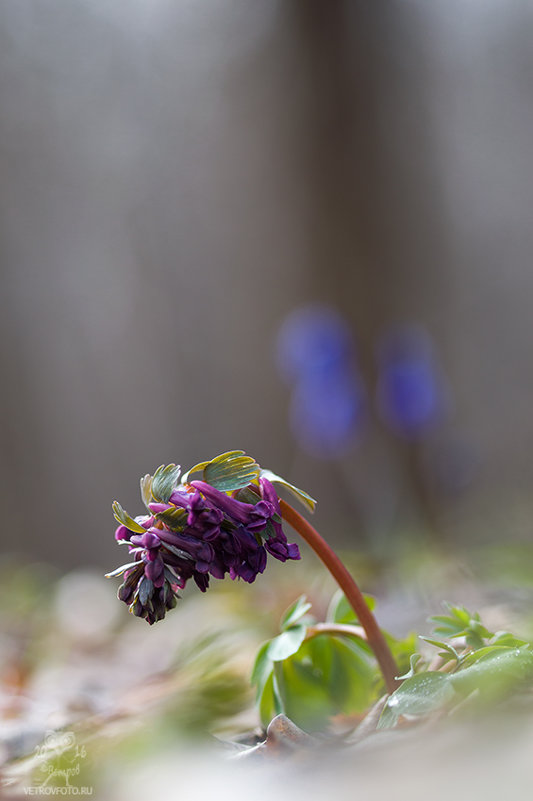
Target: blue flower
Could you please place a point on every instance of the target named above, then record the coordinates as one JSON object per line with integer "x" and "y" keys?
{"x": 410, "y": 391}
{"x": 316, "y": 355}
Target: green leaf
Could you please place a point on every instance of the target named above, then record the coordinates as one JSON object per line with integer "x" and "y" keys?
{"x": 200, "y": 467}
{"x": 304, "y": 687}
{"x": 351, "y": 676}
{"x": 494, "y": 671}
{"x": 175, "y": 519}
{"x": 420, "y": 695}
{"x": 402, "y": 649}
{"x": 123, "y": 517}
{"x": 231, "y": 471}
{"x": 164, "y": 481}
{"x": 340, "y": 611}
{"x": 302, "y": 496}
{"x": 267, "y": 701}
{"x": 262, "y": 668}
{"x": 178, "y": 552}
{"x": 120, "y": 570}
{"x": 286, "y": 643}
{"x": 248, "y": 495}
{"x": 228, "y": 472}
{"x": 326, "y": 677}
{"x": 146, "y": 489}
{"x": 506, "y": 638}
{"x": 295, "y": 611}
{"x": 146, "y": 589}
{"x": 447, "y": 649}
{"x": 413, "y": 661}
{"x": 461, "y": 623}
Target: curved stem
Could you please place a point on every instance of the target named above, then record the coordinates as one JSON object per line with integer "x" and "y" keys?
{"x": 353, "y": 594}
{"x": 336, "y": 630}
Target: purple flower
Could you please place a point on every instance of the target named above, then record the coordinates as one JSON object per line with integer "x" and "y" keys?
{"x": 198, "y": 532}
{"x": 253, "y": 517}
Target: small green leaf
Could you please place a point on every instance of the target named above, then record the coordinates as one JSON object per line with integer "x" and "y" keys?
{"x": 269, "y": 700}
{"x": 178, "y": 552}
{"x": 295, "y": 611}
{"x": 448, "y": 649}
{"x": 247, "y": 495}
{"x": 340, "y": 610}
{"x": 461, "y": 623}
{"x": 302, "y": 496}
{"x": 123, "y": 517}
{"x": 122, "y": 569}
{"x": 262, "y": 668}
{"x": 228, "y": 472}
{"x": 494, "y": 670}
{"x": 508, "y": 639}
{"x": 175, "y": 519}
{"x": 413, "y": 661}
{"x": 200, "y": 467}
{"x": 231, "y": 471}
{"x": 146, "y": 489}
{"x": 419, "y": 695}
{"x": 164, "y": 481}
{"x": 146, "y": 588}
{"x": 287, "y": 643}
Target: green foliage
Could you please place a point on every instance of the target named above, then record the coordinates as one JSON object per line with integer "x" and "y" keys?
{"x": 302, "y": 496}
{"x": 311, "y": 673}
{"x": 448, "y": 651}
{"x": 228, "y": 472}
{"x": 175, "y": 519}
{"x": 235, "y": 470}
{"x": 461, "y": 623}
{"x": 123, "y": 517}
{"x": 340, "y": 611}
{"x": 418, "y": 695}
{"x": 484, "y": 668}
{"x": 122, "y": 569}
{"x": 494, "y": 671}
{"x": 402, "y": 651}
{"x": 164, "y": 482}
{"x": 294, "y": 613}
{"x": 146, "y": 489}
{"x": 286, "y": 644}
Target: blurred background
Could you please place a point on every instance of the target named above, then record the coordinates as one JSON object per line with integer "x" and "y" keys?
{"x": 298, "y": 228}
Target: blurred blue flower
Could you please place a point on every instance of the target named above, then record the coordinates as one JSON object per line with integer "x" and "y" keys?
{"x": 313, "y": 339}
{"x": 326, "y": 412}
{"x": 411, "y": 389}
{"x": 316, "y": 355}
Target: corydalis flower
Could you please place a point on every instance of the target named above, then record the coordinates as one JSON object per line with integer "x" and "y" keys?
{"x": 225, "y": 524}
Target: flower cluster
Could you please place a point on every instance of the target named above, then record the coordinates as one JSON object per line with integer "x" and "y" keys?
{"x": 196, "y": 532}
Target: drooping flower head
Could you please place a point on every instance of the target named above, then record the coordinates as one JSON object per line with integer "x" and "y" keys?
{"x": 224, "y": 523}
